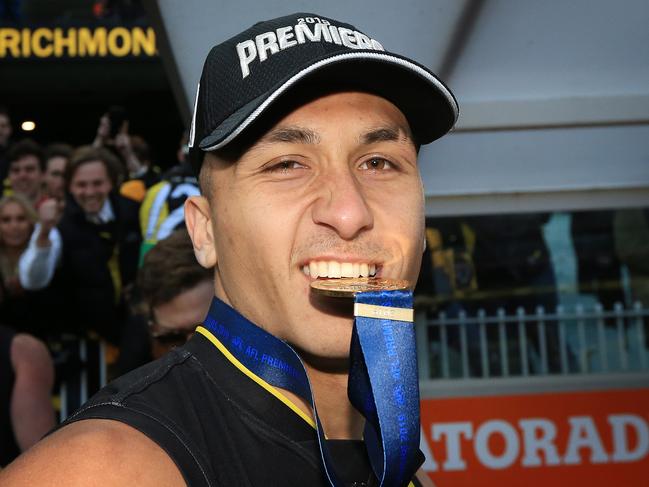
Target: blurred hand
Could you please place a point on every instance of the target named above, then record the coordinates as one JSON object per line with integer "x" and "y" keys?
{"x": 123, "y": 144}
{"x": 103, "y": 131}
{"x": 49, "y": 212}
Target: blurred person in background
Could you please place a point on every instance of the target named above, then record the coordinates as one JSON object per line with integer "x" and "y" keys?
{"x": 19, "y": 308}
{"x": 133, "y": 151}
{"x": 5, "y": 128}
{"x": 142, "y": 172}
{"x": 162, "y": 209}
{"x": 99, "y": 243}
{"x": 512, "y": 263}
{"x": 172, "y": 296}
{"x": 26, "y": 380}
{"x": 17, "y": 219}
{"x": 26, "y": 167}
{"x": 176, "y": 291}
{"x": 57, "y": 157}
{"x": 631, "y": 232}
{"x": 5, "y": 139}
{"x": 599, "y": 270}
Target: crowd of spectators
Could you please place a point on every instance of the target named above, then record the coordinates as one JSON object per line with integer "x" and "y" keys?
{"x": 76, "y": 224}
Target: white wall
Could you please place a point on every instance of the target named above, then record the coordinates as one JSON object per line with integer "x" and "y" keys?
{"x": 418, "y": 28}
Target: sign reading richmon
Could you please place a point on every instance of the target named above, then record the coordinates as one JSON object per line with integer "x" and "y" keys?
{"x": 72, "y": 42}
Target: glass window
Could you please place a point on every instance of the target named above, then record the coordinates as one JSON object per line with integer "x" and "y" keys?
{"x": 536, "y": 294}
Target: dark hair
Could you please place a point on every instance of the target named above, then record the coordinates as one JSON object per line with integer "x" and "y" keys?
{"x": 170, "y": 268}
{"x": 4, "y": 111}
{"x": 26, "y": 147}
{"x": 58, "y": 150}
{"x": 86, "y": 154}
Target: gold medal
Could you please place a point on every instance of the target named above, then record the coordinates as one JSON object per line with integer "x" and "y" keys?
{"x": 348, "y": 287}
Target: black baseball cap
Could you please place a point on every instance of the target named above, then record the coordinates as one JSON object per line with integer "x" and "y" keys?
{"x": 261, "y": 67}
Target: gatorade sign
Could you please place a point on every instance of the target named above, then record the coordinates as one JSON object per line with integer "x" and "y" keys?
{"x": 576, "y": 438}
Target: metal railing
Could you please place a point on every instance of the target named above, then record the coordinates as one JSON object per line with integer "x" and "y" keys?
{"x": 578, "y": 341}
{"x": 80, "y": 374}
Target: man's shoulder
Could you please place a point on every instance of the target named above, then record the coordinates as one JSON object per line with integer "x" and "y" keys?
{"x": 118, "y": 434}
{"x": 159, "y": 377}
{"x": 160, "y": 399}
{"x": 80, "y": 452}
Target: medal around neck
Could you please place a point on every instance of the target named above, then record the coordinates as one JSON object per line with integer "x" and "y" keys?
{"x": 348, "y": 287}
{"x": 383, "y": 377}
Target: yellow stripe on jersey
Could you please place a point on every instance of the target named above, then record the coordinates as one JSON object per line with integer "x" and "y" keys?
{"x": 273, "y": 390}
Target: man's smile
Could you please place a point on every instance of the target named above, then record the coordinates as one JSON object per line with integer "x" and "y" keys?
{"x": 337, "y": 269}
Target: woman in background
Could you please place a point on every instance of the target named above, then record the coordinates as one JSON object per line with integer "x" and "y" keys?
{"x": 17, "y": 220}
{"x": 19, "y": 308}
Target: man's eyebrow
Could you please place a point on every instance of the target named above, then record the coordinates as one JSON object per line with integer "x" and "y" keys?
{"x": 385, "y": 134}
{"x": 296, "y": 135}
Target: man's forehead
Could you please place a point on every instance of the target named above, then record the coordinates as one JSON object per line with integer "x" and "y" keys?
{"x": 379, "y": 120}
{"x": 26, "y": 160}
{"x": 56, "y": 161}
{"x": 307, "y": 135}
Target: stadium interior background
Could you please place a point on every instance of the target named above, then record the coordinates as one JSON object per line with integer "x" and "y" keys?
{"x": 66, "y": 99}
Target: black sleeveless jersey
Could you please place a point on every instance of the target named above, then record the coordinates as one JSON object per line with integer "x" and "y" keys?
{"x": 8, "y": 447}
{"x": 222, "y": 426}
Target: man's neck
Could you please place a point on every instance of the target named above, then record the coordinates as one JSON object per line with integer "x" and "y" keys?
{"x": 339, "y": 418}
{"x": 104, "y": 215}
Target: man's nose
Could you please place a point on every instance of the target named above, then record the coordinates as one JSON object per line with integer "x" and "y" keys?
{"x": 342, "y": 205}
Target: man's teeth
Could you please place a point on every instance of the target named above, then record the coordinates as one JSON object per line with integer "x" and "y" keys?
{"x": 339, "y": 269}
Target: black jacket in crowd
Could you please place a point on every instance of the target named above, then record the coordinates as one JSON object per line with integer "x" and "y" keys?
{"x": 85, "y": 279}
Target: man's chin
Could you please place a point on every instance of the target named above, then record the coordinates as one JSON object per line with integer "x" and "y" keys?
{"x": 338, "y": 307}
{"x": 335, "y": 363}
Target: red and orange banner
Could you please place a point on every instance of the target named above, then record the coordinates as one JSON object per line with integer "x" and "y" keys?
{"x": 549, "y": 439}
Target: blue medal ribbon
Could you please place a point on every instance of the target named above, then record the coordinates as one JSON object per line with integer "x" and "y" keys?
{"x": 382, "y": 385}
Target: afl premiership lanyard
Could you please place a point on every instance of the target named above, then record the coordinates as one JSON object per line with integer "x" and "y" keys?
{"x": 383, "y": 382}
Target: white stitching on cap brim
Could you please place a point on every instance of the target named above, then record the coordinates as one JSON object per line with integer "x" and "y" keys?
{"x": 340, "y": 57}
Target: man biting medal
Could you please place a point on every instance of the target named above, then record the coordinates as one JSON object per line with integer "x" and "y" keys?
{"x": 305, "y": 137}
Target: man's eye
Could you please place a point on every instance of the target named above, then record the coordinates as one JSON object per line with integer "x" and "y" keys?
{"x": 285, "y": 167}
{"x": 376, "y": 164}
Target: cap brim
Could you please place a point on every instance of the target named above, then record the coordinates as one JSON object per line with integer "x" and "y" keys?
{"x": 429, "y": 106}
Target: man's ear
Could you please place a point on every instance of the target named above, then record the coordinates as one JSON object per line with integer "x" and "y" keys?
{"x": 199, "y": 225}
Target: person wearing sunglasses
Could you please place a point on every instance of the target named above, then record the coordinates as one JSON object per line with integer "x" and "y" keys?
{"x": 176, "y": 290}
